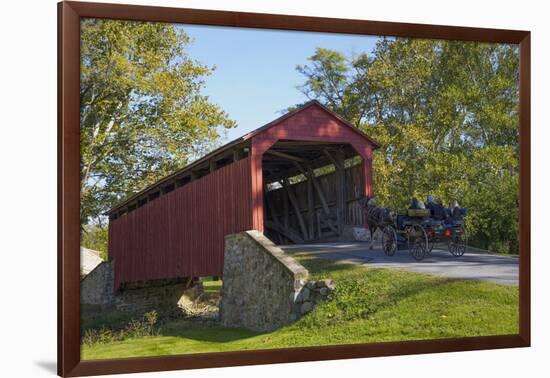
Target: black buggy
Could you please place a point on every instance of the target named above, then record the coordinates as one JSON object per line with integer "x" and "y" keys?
{"x": 418, "y": 232}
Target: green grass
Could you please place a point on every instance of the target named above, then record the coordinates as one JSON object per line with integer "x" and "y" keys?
{"x": 368, "y": 305}
{"x": 93, "y": 318}
{"x": 211, "y": 288}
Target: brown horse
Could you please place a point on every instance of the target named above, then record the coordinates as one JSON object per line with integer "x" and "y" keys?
{"x": 376, "y": 217}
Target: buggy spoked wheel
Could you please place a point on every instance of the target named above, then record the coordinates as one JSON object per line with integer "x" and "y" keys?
{"x": 430, "y": 247}
{"x": 389, "y": 241}
{"x": 417, "y": 241}
{"x": 458, "y": 244}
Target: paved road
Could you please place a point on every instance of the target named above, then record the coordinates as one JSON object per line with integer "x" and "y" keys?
{"x": 475, "y": 266}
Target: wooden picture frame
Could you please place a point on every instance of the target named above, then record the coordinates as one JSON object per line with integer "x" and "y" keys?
{"x": 69, "y": 15}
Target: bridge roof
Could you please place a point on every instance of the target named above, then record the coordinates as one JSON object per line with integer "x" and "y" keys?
{"x": 226, "y": 151}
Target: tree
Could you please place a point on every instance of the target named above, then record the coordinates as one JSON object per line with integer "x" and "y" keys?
{"x": 142, "y": 114}
{"x": 446, "y": 113}
{"x": 96, "y": 238}
{"x": 338, "y": 83}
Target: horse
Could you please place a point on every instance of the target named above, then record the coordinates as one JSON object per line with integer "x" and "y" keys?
{"x": 376, "y": 217}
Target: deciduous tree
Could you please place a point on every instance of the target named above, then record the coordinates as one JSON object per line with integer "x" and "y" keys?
{"x": 142, "y": 113}
{"x": 446, "y": 113}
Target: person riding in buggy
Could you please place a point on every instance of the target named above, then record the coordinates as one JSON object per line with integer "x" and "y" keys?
{"x": 420, "y": 228}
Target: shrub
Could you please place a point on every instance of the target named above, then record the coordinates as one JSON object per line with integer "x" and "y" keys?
{"x": 147, "y": 326}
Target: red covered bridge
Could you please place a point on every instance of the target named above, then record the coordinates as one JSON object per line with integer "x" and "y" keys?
{"x": 297, "y": 179}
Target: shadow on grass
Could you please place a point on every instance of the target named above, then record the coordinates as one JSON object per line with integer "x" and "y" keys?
{"x": 195, "y": 330}
{"x": 316, "y": 265}
{"x": 211, "y": 331}
{"x": 93, "y": 317}
{"x": 411, "y": 289}
{"x": 360, "y": 293}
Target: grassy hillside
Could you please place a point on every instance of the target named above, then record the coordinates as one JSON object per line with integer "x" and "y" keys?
{"x": 368, "y": 305}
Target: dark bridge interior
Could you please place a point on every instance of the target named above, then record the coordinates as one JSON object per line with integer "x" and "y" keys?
{"x": 312, "y": 191}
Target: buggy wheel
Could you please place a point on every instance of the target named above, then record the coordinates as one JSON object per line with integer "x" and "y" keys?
{"x": 417, "y": 250}
{"x": 417, "y": 241}
{"x": 458, "y": 244}
{"x": 389, "y": 241}
{"x": 430, "y": 247}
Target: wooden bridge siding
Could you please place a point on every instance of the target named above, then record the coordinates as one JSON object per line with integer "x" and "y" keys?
{"x": 181, "y": 234}
{"x": 311, "y": 124}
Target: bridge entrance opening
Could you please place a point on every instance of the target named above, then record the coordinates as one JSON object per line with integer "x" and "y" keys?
{"x": 312, "y": 191}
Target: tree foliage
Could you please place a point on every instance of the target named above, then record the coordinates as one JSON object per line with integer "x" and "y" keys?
{"x": 446, "y": 113}
{"x": 95, "y": 237}
{"x": 142, "y": 114}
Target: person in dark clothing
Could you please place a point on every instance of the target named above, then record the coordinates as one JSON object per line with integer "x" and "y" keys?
{"x": 430, "y": 205}
{"x": 455, "y": 210}
{"x": 439, "y": 211}
{"x": 417, "y": 204}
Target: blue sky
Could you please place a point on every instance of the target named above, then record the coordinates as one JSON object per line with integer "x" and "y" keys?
{"x": 255, "y": 77}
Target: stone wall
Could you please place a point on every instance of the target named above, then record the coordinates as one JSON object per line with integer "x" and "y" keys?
{"x": 97, "y": 287}
{"x": 171, "y": 297}
{"x": 163, "y": 296}
{"x": 311, "y": 294}
{"x": 263, "y": 287}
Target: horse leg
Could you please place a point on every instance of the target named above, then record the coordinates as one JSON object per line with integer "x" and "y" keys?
{"x": 371, "y": 237}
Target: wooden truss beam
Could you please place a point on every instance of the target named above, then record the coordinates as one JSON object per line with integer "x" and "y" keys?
{"x": 295, "y": 205}
{"x": 310, "y": 209}
{"x": 334, "y": 160}
{"x": 285, "y": 156}
{"x": 275, "y": 224}
{"x": 340, "y": 188}
{"x": 288, "y": 233}
{"x": 315, "y": 184}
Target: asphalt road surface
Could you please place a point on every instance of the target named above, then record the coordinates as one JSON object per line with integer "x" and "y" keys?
{"x": 471, "y": 266}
